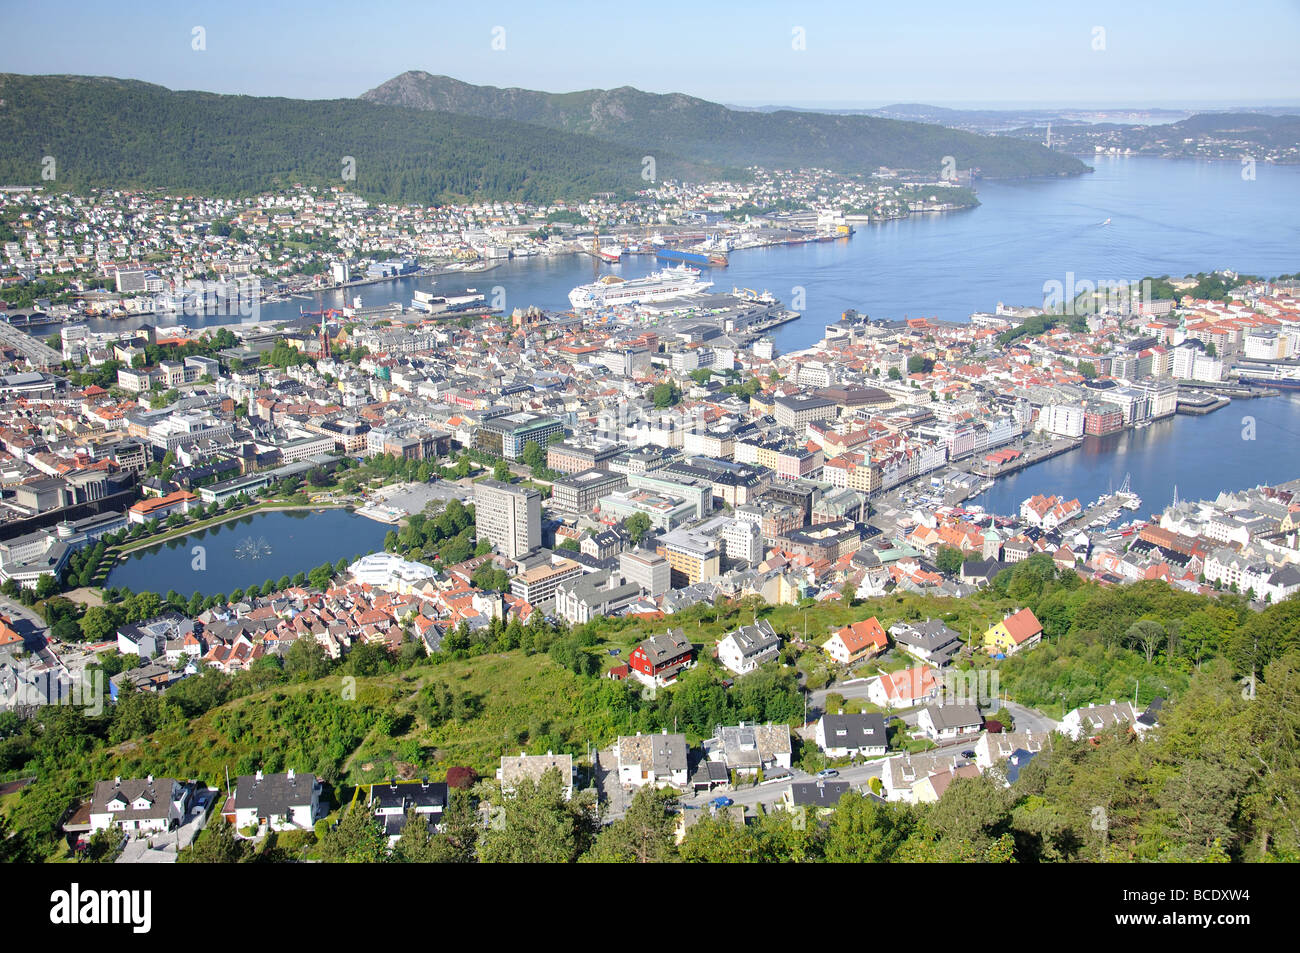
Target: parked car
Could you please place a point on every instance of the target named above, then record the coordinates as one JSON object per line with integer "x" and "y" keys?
{"x": 828, "y": 773}
{"x": 615, "y": 651}
{"x": 968, "y": 753}
{"x": 722, "y": 802}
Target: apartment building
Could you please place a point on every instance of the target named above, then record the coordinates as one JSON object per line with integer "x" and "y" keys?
{"x": 510, "y": 517}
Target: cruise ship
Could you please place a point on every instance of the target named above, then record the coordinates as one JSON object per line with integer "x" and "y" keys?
{"x": 611, "y": 291}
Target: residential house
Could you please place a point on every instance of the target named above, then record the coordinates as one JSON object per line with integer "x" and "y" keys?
{"x": 930, "y": 641}
{"x": 1095, "y": 719}
{"x": 660, "y": 760}
{"x": 532, "y": 767}
{"x": 817, "y": 796}
{"x": 856, "y": 642}
{"x": 391, "y": 800}
{"x": 853, "y": 735}
{"x": 904, "y": 689}
{"x": 932, "y": 787}
{"x": 946, "y": 722}
{"x": 149, "y": 804}
{"x": 1020, "y": 630}
{"x": 748, "y": 749}
{"x": 283, "y": 801}
{"x": 659, "y": 660}
{"x": 749, "y": 647}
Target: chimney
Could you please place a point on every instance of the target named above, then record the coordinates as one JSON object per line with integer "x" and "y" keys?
{"x": 258, "y": 777}
{"x": 292, "y": 775}
{"x": 117, "y": 781}
{"x": 149, "y": 780}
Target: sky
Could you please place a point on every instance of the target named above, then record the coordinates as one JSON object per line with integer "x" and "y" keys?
{"x": 1174, "y": 54}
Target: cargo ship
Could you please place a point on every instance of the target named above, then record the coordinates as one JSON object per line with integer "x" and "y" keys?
{"x": 666, "y": 285}
{"x": 698, "y": 258}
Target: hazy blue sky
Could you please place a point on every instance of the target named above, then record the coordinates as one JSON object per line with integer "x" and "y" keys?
{"x": 1165, "y": 53}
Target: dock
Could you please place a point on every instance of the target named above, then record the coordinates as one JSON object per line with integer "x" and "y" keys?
{"x": 1028, "y": 457}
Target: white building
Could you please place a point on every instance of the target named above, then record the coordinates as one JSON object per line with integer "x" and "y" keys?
{"x": 285, "y": 801}
{"x": 749, "y": 647}
{"x": 151, "y": 804}
{"x": 1064, "y": 420}
{"x": 390, "y": 572}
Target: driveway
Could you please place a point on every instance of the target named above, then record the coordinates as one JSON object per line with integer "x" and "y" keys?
{"x": 1029, "y": 719}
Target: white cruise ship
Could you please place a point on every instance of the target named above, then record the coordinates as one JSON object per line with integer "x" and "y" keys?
{"x": 611, "y": 291}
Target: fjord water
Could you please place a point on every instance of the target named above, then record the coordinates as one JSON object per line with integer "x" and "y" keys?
{"x": 1166, "y": 216}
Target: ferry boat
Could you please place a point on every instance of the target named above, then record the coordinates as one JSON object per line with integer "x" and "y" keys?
{"x": 666, "y": 285}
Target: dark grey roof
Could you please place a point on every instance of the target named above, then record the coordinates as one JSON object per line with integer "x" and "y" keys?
{"x": 865, "y": 730}
{"x": 385, "y": 796}
{"x": 157, "y": 791}
{"x": 954, "y": 716}
{"x": 273, "y": 793}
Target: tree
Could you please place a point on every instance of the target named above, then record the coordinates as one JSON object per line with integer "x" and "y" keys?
{"x": 97, "y": 624}
{"x": 46, "y": 586}
{"x": 538, "y": 824}
{"x": 306, "y": 660}
{"x": 1147, "y": 634}
{"x": 533, "y": 455}
{"x": 217, "y": 845}
{"x": 665, "y": 395}
{"x": 637, "y": 525}
{"x": 895, "y": 374}
{"x": 501, "y": 471}
{"x": 357, "y": 839}
{"x": 645, "y": 834}
{"x": 864, "y": 831}
{"x": 949, "y": 560}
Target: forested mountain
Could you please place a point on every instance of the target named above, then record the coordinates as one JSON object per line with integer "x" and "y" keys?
{"x": 122, "y": 133}
{"x": 708, "y": 132}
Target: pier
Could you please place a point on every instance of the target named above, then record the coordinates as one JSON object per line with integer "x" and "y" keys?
{"x": 1028, "y": 457}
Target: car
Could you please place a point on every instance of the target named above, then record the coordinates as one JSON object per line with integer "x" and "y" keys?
{"x": 722, "y": 802}
{"x": 968, "y": 753}
{"x": 828, "y": 773}
{"x": 615, "y": 651}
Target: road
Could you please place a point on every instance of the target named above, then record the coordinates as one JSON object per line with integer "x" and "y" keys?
{"x": 859, "y": 776}
{"x": 1029, "y": 719}
{"x": 30, "y": 626}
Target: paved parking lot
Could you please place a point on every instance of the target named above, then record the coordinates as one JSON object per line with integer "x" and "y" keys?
{"x": 414, "y": 497}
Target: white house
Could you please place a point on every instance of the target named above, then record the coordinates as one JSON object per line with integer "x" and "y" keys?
{"x": 904, "y": 689}
{"x": 946, "y": 722}
{"x": 749, "y": 647}
{"x": 280, "y": 802}
{"x": 151, "y": 804}
{"x": 861, "y": 735}
{"x": 652, "y": 759}
{"x": 1097, "y": 718}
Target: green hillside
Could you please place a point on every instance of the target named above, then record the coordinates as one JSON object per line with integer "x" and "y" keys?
{"x": 708, "y": 132}
{"x": 114, "y": 133}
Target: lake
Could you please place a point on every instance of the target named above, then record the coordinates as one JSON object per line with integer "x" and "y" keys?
{"x": 248, "y": 551}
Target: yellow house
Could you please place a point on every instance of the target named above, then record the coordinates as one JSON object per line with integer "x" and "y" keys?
{"x": 1017, "y": 631}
